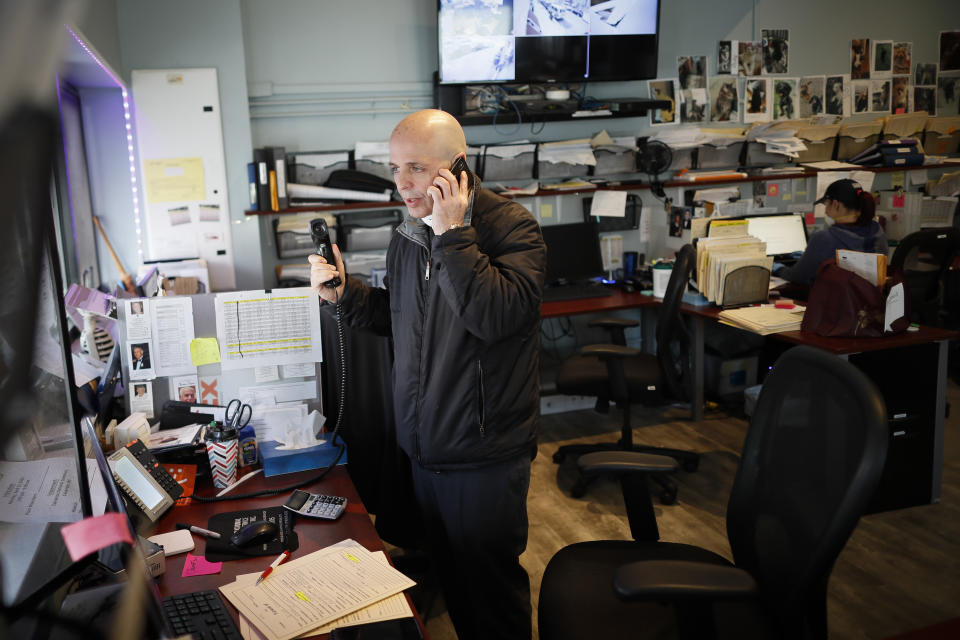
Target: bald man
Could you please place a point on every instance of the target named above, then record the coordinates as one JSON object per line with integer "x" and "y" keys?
{"x": 462, "y": 301}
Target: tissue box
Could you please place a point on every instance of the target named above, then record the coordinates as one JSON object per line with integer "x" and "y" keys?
{"x": 278, "y": 461}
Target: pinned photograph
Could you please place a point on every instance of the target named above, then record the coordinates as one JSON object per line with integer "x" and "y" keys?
{"x": 861, "y": 96}
{"x": 811, "y": 96}
{"x": 925, "y": 75}
{"x": 902, "y": 57}
{"x": 785, "y": 98}
{"x": 676, "y": 221}
{"x": 693, "y": 105}
{"x": 724, "y": 102}
{"x": 692, "y": 72}
{"x": 209, "y": 212}
{"x": 882, "y": 57}
{"x": 141, "y": 398}
{"x": 727, "y": 57}
{"x": 835, "y": 96}
{"x": 949, "y": 51}
{"x": 141, "y": 367}
{"x": 948, "y": 92}
{"x": 925, "y": 99}
{"x": 859, "y": 59}
{"x": 776, "y": 45}
{"x": 184, "y": 388}
{"x": 880, "y": 95}
{"x": 664, "y": 90}
{"x": 756, "y": 100}
{"x": 900, "y": 94}
{"x": 750, "y": 57}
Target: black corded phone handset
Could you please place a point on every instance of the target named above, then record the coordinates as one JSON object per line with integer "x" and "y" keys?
{"x": 321, "y": 240}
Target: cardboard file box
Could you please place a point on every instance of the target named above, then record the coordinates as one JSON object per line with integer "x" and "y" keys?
{"x": 942, "y": 135}
{"x": 905, "y": 125}
{"x": 821, "y": 140}
{"x": 292, "y": 233}
{"x": 854, "y": 138}
{"x": 720, "y": 154}
{"x": 314, "y": 167}
{"x": 613, "y": 160}
{"x": 367, "y": 230}
{"x": 507, "y": 162}
{"x": 682, "y": 159}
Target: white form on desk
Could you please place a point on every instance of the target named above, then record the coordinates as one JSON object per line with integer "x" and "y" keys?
{"x": 315, "y": 590}
{"x": 391, "y": 608}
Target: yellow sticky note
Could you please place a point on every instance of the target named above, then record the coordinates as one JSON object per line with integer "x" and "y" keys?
{"x": 898, "y": 180}
{"x": 204, "y": 351}
{"x": 174, "y": 179}
{"x": 546, "y": 211}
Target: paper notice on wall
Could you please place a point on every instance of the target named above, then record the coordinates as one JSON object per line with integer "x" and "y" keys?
{"x": 302, "y": 370}
{"x": 257, "y": 329}
{"x": 172, "y": 319}
{"x": 174, "y": 179}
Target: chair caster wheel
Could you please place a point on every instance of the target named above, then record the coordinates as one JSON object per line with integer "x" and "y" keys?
{"x": 579, "y": 490}
{"x": 558, "y": 457}
{"x": 691, "y": 465}
{"x": 668, "y": 497}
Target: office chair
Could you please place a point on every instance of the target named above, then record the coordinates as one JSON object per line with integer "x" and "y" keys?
{"x": 626, "y": 376}
{"x": 923, "y": 258}
{"x": 812, "y": 459}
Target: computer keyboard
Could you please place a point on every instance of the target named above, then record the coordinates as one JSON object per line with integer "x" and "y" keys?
{"x": 202, "y": 614}
{"x": 574, "y": 292}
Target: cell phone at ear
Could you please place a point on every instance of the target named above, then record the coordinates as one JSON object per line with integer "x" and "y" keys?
{"x": 459, "y": 165}
{"x": 321, "y": 240}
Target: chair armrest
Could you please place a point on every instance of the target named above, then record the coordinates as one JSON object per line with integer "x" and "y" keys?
{"x": 613, "y": 321}
{"x": 609, "y": 350}
{"x": 625, "y": 462}
{"x": 682, "y": 580}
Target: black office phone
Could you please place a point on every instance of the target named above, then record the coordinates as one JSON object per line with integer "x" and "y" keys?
{"x": 321, "y": 240}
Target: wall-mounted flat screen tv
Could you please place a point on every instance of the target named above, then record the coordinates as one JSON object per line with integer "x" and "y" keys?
{"x": 543, "y": 41}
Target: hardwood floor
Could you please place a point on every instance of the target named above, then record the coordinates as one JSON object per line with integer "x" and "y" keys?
{"x": 900, "y": 570}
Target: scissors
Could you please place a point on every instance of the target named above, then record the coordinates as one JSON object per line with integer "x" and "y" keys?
{"x": 237, "y": 414}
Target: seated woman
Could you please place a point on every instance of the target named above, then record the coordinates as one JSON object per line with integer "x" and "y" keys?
{"x": 852, "y": 211}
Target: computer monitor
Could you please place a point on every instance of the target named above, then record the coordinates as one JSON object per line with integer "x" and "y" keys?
{"x": 573, "y": 252}
{"x": 783, "y": 233}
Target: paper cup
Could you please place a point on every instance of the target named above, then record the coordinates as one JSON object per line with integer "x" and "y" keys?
{"x": 661, "y": 276}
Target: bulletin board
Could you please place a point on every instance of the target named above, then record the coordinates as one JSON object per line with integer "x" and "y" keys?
{"x": 182, "y": 169}
{"x": 191, "y": 353}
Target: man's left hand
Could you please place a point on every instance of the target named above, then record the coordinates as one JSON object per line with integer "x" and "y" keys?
{"x": 450, "y": 197}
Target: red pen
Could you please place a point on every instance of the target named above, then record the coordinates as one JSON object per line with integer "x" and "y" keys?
{"x": 276, "y": 563}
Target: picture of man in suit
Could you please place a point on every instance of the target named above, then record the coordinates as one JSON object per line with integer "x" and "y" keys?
{"x": 141, "y": 356}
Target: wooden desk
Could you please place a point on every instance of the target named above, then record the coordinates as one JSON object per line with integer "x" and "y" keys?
{"x": 313, "y": 533}
{"x": 618, "y": 300}
{"x": 910, "y": 369}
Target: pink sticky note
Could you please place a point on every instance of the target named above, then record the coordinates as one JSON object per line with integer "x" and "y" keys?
{"x": 198, "y": 566}
{"x": 898, "y": 201}
{"x": 92, "y": 534}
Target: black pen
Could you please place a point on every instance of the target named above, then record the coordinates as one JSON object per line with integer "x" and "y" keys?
{"x": 199, "y": 530}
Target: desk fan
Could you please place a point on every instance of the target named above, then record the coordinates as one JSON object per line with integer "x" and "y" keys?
{"x": 653, "y": 158}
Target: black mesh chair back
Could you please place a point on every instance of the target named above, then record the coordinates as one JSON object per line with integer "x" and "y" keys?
{"x": 923, "y": 257}
{"x": 811, "y": 461}
{"x": 673, "y": 337}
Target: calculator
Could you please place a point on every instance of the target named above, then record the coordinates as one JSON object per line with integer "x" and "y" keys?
{"x": 316, "y": 505}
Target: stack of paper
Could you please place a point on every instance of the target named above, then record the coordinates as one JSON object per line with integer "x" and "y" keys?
{"x": 339, "y": 586}
{"x": 718, "y": 257}
{"x": 764, "y": 319}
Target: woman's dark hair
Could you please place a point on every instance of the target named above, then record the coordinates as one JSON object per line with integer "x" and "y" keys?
{"x": 867, "y": 207}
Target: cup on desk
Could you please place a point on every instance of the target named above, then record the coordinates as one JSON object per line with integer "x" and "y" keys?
{"x": 222, "y": 450}
{"x": 661, "y": 276}
{"x": 630, "y": 261}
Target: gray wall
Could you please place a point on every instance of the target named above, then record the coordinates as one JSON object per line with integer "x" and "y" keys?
{"x": 355, "y": 67}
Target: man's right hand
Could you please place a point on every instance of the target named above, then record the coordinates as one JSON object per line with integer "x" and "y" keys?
{"x": 321, "y": 272}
